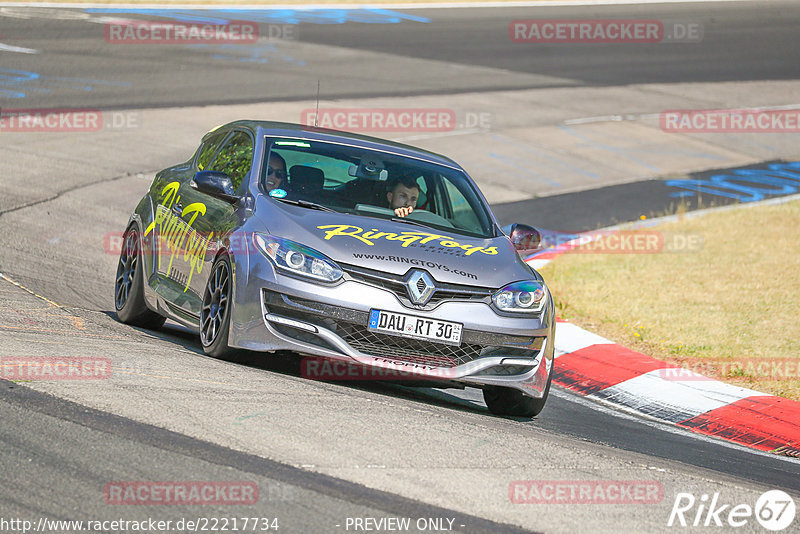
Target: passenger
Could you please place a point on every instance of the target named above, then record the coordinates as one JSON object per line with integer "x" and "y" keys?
{"x": 276, "y": 172}
{"x": 402, "y": 195}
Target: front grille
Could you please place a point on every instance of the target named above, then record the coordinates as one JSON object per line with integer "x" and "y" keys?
{"x": 408, "y": 350}
{"x": 396, "y": 284}
{"x": 355, "y": 333}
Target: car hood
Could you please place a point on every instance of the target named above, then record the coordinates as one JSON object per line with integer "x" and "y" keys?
{"x": 396, "y": 247}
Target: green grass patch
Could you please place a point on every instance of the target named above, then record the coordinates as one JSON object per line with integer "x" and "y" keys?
{"x": 735, "y": 298}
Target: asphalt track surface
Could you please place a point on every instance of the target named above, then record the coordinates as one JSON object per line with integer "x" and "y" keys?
{"x": 57, "y": 454}
{"x": 45, "y": 452}
{"x": 740, "y": 42}
{"x": 611, "y": 205}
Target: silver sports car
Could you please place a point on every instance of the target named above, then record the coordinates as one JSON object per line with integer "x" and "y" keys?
{"x": 280, "y": 237}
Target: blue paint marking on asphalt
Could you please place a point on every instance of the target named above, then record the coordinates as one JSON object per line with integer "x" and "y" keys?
{"x": 675, "y": 151}
{"x": 614, "y": 150}
{"x": 260, "y": 53}
{"x": 664, "y": 149}
{"x": 525, "y": 169}
{"x": 14, "y": 78}
{"x": 779, "y": 179}
{"x": 542, "y": 154}
{"x": 274, "y": 16}
{"x": 18, "y": 83}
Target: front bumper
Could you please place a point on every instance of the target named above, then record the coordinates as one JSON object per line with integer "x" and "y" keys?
{"x": 331, "y": 321}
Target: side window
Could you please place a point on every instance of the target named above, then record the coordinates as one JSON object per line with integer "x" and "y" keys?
{"x": 207, "y": 150}
{"x": 235, "y": 158}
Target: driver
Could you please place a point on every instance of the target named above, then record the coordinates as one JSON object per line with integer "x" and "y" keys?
{"x": 402, "y": 195}
{"x": 276, "y": 172}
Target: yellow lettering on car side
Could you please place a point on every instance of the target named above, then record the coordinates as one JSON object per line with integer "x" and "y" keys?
{"x": 177, "y": 234}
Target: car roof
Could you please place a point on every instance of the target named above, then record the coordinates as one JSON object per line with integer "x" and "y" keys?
{"x": 287, "y": 129}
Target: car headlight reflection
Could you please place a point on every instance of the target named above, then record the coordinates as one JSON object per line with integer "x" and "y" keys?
{"x": 295, "y": 258}
{"x": 528, "y": 296}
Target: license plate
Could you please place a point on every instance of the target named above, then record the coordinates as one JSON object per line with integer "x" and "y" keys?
{"x": 400, "y": 324}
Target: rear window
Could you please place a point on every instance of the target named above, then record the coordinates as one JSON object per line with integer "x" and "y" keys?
{"x": 208, "y": 149}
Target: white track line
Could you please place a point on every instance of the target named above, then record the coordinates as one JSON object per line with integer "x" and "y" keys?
{"x": 19, "y": 49}
{"x": 647, "y": 116}
{"x": 624, "y": 412}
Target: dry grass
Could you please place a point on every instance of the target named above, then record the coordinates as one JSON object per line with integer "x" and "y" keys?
{"x": 735, "y": 299}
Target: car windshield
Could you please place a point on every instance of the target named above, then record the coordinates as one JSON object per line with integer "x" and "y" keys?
{"x": 355, "y": 180}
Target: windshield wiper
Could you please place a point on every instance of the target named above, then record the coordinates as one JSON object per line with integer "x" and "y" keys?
{"x": 409, "y": 221}
{"x": 306, "y": 204}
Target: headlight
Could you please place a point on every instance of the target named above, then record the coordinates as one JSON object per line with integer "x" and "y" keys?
{"x": 528, "y": 296}
{"x": 295, "y": 258}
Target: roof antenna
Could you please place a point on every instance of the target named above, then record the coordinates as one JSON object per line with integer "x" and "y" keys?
{"x": 316, "y": 115}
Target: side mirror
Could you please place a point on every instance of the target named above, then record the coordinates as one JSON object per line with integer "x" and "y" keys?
{"x": 217, "y": 184}
{"x": 525, "y": 238}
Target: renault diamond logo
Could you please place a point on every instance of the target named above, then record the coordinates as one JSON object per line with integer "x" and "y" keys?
{"x": 420, "y": 287}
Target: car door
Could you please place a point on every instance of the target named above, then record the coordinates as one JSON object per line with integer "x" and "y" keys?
{"x": 163, "y": 235}
{"x": 209, "y": 219}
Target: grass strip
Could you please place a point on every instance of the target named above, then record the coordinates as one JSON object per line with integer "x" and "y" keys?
{"x": 720, "y": 298}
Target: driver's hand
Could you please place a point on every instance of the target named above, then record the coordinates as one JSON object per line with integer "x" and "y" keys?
{"x": 403, "y": 212}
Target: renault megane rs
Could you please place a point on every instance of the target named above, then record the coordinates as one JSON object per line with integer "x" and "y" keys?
{"x": 280, "y": 237}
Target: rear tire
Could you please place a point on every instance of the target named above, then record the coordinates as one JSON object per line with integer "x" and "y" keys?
{"x": 510, "y": 401}
{"x": 215, "y": 314}
{"x": 129, "y": 286}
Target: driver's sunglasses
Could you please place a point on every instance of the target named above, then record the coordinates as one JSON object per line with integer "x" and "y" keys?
{"x": 281, "y": 175}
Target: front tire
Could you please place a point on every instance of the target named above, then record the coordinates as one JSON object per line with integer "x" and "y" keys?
{"x": 129, "y": 286}
{"x": 215, "y": 314}
{"x": 512, "y": 402}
